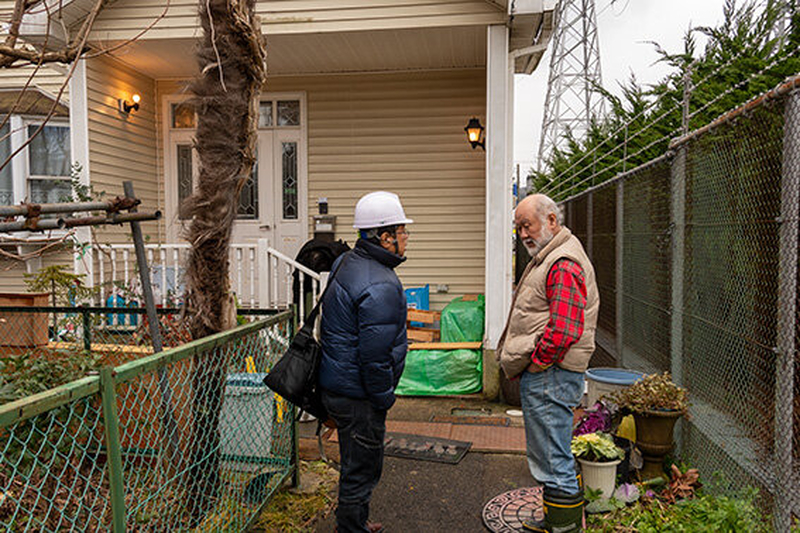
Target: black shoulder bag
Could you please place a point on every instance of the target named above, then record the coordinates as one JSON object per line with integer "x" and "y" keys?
{"x": 296, "y": 375}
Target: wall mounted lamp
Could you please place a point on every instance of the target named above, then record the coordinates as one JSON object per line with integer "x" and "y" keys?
{"x": 126, "y": 107}
{"x": 475, "y": 133}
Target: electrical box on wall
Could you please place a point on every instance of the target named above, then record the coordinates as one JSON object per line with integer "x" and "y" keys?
{"x": 324, "y": 224}
{"x": 324, "y": 227}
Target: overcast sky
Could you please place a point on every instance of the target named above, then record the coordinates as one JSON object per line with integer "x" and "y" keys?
{"x": 624, "y": 28}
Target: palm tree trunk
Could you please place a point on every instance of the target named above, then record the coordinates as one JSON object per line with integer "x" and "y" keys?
{"x": 231, "y": 59}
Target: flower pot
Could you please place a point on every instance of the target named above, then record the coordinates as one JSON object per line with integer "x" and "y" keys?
{"x": 600, "y": 476}
{"x": 654, "y": 439}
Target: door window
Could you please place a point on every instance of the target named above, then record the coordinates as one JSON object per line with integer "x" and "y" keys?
{"x": 289, "y": 180}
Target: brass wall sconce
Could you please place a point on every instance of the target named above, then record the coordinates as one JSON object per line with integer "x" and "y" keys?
{"x": 126, "y": 107}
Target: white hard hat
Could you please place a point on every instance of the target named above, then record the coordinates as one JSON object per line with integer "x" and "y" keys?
{"x": 379, "y": 209}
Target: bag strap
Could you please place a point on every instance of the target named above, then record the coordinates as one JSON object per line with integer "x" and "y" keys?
{"x": 312, "y": 316}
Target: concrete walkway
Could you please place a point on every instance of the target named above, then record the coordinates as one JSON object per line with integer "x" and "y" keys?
{"x": 421, "y": 496}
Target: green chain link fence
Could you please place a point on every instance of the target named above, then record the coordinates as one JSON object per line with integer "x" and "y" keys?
{"x": 697, "y": 261}
{"x": 187, "y": 439}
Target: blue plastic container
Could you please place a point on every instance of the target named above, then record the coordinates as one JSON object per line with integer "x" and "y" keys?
{"x": 602, "y": 381}
{"x": 418, "y": 298}
{"x": 121, "y": 319}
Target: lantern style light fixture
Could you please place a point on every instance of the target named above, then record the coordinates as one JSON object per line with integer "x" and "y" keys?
{"x": 126, "y": 107}
{"x": 475, "y": 133}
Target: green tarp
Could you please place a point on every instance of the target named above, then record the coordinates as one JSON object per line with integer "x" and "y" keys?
{"x": 446, "y": 372}
{"x": 432, "y": 372}
{"x": 463, "y": 321}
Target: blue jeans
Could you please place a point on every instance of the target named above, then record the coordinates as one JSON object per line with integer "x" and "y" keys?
{"x": 362, "y": 429}
{"x": 547, "y": 401}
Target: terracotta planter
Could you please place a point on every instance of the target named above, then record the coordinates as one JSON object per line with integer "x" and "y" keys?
{"x": 600, "y": 476}
{"x": 654, "y": 439}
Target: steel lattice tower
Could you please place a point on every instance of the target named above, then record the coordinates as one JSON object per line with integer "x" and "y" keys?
{"x": 571, "y": 100}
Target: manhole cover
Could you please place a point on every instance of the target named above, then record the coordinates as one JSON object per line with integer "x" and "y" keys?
{"x": 506, "y": 512}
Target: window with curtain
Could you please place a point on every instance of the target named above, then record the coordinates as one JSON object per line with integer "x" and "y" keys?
{"x": 49, "y": 164}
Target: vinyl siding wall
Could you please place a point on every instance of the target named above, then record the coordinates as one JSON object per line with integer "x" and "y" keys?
{"x": 12, "y": 274}
{"x": 125, "y": 18}
{"x": 123, "y": 148}
{"x": 402, "y": 132}
{"x": 49, "y": 78}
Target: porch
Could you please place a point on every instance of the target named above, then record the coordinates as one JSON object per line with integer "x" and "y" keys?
{"x": 261, "y": 277}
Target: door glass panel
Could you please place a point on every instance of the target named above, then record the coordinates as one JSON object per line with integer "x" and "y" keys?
{"x": 289, "y": 179}
{"x": 248, "y": 199}
{"x": 265, "y": 115}
{"x": 183, "y": 116}
{"x": 185, "y": 180}
{"x": 289, "y": 113}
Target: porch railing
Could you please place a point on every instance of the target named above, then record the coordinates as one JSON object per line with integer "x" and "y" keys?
{"x": 260, "y": 276}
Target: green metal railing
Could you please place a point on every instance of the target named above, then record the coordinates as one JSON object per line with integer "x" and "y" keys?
{"x": 129, "y": 449}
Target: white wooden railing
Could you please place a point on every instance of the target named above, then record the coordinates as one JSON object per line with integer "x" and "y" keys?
{"x": 260, "y": 276}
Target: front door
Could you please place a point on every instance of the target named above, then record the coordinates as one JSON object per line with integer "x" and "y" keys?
{"x": 272, "y": 205}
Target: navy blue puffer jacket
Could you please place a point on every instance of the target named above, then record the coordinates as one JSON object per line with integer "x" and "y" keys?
{"x": 363, "y": 332}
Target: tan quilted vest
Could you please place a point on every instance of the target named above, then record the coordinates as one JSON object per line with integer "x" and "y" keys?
{"x": 530, "y": 310}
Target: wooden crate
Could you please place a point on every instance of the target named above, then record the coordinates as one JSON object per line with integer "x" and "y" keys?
{"x": 427, "y": 337}
{"x": 24, "y": 329}
{"x": 427, "y": 333}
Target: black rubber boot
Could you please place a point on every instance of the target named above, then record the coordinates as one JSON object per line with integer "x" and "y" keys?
{"x": 563, "y": 513}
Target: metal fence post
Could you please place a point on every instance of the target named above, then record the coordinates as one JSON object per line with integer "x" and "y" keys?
{"x": 678, "y": 225}
{"x": 677, "y": 216}
{"x": 113, "y": 449}
{"x": 619, "y": 274}
{"x": 87, "y": 330}
{"x": 589, "y": 224}
{"x": 170, "y": 425}
{"x": 787, "y": 313}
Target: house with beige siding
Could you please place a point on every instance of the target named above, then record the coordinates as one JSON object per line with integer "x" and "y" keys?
{"x": 361, "y": 96}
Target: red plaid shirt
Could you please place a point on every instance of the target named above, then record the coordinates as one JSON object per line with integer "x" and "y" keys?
{"x": 566, "y": 292}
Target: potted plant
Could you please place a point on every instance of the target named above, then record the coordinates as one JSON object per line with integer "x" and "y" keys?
{"x": 656, "y": 403}
{"x": 598, "y": 457}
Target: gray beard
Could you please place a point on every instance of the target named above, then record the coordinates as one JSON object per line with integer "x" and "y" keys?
{"x": 539, "y": 244}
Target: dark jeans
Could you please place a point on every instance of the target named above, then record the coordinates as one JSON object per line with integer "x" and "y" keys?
{"x": 362, "y": 429}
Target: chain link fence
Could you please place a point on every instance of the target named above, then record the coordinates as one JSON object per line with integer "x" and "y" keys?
{"x": 702, "y": 281}
{"x": 189, "y": 438}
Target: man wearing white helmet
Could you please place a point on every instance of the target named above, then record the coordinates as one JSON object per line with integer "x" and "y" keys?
{"x": 363, "y": 337}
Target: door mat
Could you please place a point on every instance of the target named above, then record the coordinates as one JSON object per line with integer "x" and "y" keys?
{"x": 506, "y": 512}
{"x": 472, "y": 420}
{"x": 425, "y": 448}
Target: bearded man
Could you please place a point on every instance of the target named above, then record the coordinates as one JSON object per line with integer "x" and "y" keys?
{"x": 547, "y": 344}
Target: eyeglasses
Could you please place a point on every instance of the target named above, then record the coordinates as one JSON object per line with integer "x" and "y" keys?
{"x": 403, "y": 232}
